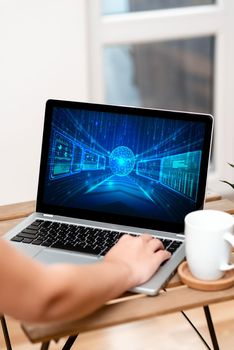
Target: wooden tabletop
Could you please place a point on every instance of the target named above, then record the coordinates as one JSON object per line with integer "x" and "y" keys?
{"x": 130, "y": 307}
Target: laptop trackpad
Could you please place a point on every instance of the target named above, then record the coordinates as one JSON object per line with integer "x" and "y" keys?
{"x": 49, "y": 256}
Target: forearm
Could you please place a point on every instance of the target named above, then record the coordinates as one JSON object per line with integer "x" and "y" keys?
{"x": 34, "y": 292}
{"x": 75, "y": 291}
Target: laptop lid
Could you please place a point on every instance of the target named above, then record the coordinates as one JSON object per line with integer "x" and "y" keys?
{"x": 130, "y": 166}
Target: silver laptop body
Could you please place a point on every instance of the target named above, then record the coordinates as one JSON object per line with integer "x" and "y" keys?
{"x": 115, "y": 169}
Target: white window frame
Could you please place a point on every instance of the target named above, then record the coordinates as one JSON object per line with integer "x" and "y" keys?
{"x": 179, "y": 23}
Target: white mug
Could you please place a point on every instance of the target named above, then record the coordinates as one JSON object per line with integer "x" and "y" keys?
{"x": 208, "y": 243}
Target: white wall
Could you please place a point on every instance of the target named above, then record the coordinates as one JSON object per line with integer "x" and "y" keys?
{"x": 43, "y": 55}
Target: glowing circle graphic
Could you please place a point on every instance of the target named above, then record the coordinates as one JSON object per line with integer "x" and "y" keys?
{"x": 122, "y": 161}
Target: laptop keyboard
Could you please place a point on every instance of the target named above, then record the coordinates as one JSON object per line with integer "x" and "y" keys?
{"x": 81, "y": 239}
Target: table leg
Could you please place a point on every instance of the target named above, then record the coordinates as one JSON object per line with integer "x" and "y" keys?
{"x": 45, "y": 345}
{"x": 5, "y": 333}
{"x": 196, "y": 330}
{"x": 211, "y": 327}
{"x": 70, "y": 341}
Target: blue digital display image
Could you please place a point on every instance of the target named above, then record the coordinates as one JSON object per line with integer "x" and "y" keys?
{"x": 123, "y": 164}
{"x": 122, "y": 161}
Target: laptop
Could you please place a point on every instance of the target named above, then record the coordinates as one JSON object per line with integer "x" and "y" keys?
{"x": 109, "y": 170}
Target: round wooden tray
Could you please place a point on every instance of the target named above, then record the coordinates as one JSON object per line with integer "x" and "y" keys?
{"x": 227, "y": 281}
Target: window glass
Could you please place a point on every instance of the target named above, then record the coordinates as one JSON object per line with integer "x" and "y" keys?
{"x": 121, "y": 6}
{"x": 175, "y": 74}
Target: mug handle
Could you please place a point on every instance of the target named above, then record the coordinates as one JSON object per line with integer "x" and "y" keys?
{"x": 229, "y": 237}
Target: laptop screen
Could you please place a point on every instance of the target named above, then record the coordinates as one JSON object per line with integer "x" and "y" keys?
{"x": 132, "y": 166}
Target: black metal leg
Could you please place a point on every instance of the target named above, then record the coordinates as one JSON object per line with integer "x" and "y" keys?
{"x": 70, "y": 341}
{"x": 196, "y": 330}
{"x": 67, "y": 346}
{"x": 5, "y": 333}
{"x": 45, "y": 346}
{"x": 211, "y": 327}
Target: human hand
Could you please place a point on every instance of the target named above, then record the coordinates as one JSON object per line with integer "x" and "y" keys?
{"x": 142, "y": 255}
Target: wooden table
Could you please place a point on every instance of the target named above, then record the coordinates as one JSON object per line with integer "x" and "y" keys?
{"x": 130, "y": 307}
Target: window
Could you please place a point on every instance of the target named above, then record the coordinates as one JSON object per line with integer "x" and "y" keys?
{"x": 120, "y": 6}
{"x": 167, "y": 54}
{"x": 146, "y": 74}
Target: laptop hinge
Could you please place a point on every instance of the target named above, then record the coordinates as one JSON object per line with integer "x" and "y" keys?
{"x": 180, "y": 235}
{"x": 48, "y": 215}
